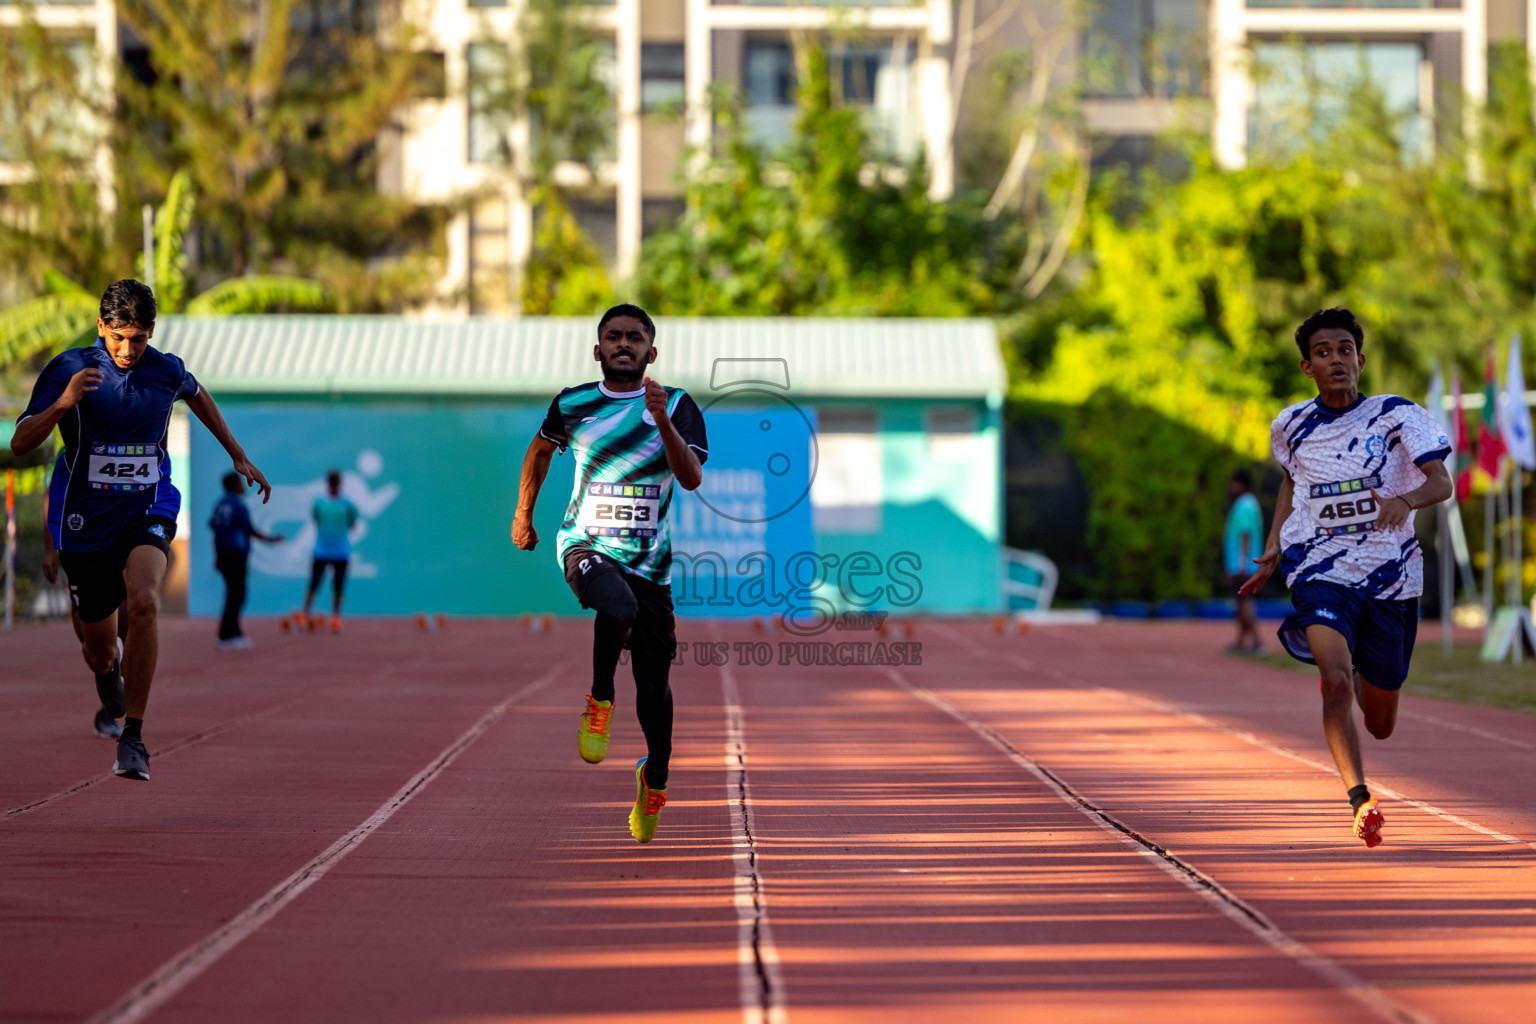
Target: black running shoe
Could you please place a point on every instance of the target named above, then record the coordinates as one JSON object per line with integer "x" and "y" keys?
{"x": 132, "y": 759}
{"x": 106, "y": 726}
{"x": 109, "y": 687}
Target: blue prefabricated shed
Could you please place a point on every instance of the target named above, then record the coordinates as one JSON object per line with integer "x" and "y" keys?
{"x": 853, "y": 463}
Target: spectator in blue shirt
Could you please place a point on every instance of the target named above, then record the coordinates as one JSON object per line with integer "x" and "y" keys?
{"x": 334, "y": 518}
{"x": 232, "y": 533}
{"x": 1242, "y": 542}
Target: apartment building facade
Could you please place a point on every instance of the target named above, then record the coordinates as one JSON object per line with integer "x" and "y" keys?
{"x": 1142, "y": 66}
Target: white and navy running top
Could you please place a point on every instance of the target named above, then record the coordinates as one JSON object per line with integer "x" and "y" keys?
{"x": 1335, "y": 457}
{"x": 114, "y": 465}
{"x": 623, "y": 488}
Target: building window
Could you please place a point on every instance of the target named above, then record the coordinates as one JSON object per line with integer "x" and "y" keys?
{"x": 1301, "y": 90}
{"x": 768, "y": 68}
{"x": 1145, "y": 48}
{"x": 661, "y": 75}
{"x": 49, "y": 109}
{"x": 490, "y": 108}
{"x": 953, "y": 433}
{"x": 874, "y": 77}
{"x": 848, "y": 491}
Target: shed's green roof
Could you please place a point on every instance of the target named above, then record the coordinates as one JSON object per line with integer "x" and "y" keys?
{"x": 539, "y": 355}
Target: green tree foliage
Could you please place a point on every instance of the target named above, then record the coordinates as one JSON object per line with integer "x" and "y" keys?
{"x": 557, "y": 80}
{"x": 275, "y": 109}
{"x": 1182, "y": 313}
{"x": 823, "y": 227}
{"x": 569, "y": 103}
{"x": 65, "y": 316}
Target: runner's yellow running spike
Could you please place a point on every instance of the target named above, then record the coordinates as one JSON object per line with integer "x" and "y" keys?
{"x": 592, "y": 736}
{"x": 647, "y": 810}
{"x": 1368, "y": 822}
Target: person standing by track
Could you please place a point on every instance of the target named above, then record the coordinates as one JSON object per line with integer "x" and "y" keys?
{"x": 1241, "y": 542}
{"x": 334, "y": 518}
{"x": 112, "y": 405}
{"x": 1357, "y": 467}
{"x": 232, "y": 532}
{"x": 632, "y": 438}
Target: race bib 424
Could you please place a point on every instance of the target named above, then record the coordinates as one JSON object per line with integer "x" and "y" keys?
{"x": 123, "y": 467}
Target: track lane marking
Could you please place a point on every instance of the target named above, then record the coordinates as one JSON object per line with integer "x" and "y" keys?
{"x": 1420, "y": 716}
{"x": 1311, "y": 762}
{"x": 763, "y": 999}
{"x": 170, "y": 748}
{"x": 183, "y": 968}
{"x": 1472, "y": 730}
{"x": 188, "y": 741}
{"x": 1207, "y": 888}
{"x": 1027, "y": 665}
{"x": 1274, "y": 748}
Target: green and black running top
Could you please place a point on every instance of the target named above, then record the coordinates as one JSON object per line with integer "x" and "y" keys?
{"x": 623, "y": 484}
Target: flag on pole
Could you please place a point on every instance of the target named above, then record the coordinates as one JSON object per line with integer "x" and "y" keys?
{"x": 1515, "y": 416}
{"x": 1490, "y": 446}
{"x": 1462, "y": 459}
{"x": 1435, "y": 402}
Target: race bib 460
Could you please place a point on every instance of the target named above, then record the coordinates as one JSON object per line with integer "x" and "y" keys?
{"x": 621, "y": 510}
{"x": 1344, "y": 507}
{"x": 123, "y": 467}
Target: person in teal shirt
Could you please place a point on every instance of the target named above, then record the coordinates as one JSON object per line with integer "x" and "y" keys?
{"x": 1243, "y": 542}
{"x": 334, "y": 518}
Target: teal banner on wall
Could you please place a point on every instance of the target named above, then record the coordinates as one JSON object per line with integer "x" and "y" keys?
{"x": 435, "y": 485}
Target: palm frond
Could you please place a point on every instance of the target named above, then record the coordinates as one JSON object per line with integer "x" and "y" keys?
{"x": 55, "y": 283}
{"x": 260, "y": 294}
{"x": 44, "y": 323}
{"x": 172, "y": 221}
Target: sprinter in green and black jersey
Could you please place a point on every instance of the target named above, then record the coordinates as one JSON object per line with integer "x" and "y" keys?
{"x": 632, "y": 437}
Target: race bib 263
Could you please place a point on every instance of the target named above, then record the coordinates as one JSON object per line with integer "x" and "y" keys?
{"x": 621, "y": 510}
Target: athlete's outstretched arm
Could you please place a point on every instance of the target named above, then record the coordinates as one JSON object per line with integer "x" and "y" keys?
{"x": 1271, "y": 557}
{"x": 1436, "y": 488}
{"x": 535, "y": 469}
{"x": 34, "y": 430}
{"x": 207, "y": 410}
{"x": 686, "y": 468}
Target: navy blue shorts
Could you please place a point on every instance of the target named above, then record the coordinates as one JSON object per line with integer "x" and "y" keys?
{"x": 1380, "y": 633}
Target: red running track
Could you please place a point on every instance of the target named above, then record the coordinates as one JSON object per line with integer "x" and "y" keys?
{"x": 1081, "y": 824}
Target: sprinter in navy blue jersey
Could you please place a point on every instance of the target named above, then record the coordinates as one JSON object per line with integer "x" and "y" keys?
{"x": 117, "y": 507}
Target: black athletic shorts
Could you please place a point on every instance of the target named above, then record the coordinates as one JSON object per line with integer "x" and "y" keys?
{"x": 96, "y": 577}
{"x": 317, "y": 572}
{"x": 1380, "y": 633}
{"x": 655, "y": 630}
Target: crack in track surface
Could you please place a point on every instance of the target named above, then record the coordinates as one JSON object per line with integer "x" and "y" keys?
{"x": 762, "y": 985}
{"x": 1371, "y": 999}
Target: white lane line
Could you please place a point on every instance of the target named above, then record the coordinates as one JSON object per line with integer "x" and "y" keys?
{"x": 1327, "y": 769}
{"x": 1207, "y": 888}
{"x": 1027, "y": 665}
{"x": 762, "y": 982}
{"x": 170, "y": 748}
{"x": 1471, "y": 730}
{"x": 179, "y": 971}
{"x": 1420, "y": 716}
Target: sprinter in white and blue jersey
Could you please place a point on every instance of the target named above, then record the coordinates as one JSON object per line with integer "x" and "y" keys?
{"x": 632, "y": 438}
{"x": 1356, "y": 468}
{"x": 116, "y": 504}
